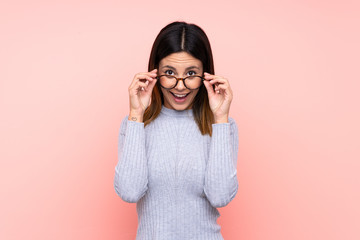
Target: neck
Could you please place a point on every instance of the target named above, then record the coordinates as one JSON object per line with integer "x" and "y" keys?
{"x": 176, "y": 113}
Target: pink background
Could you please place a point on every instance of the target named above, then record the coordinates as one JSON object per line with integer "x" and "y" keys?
{"x": 65, "y": 67}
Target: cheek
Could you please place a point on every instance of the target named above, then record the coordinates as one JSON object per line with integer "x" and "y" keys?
{"x": 194, "y": 93}
{"x": 164, "y": 91}
{"x": 166, "y": 95}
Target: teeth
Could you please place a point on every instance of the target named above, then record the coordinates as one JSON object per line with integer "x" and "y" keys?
{"x": 180, "y": 95}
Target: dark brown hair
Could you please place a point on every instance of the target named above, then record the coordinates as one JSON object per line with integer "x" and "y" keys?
{"x": 177, "y": 37}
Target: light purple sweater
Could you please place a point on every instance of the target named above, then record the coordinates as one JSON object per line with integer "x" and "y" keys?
{"x": 176, "y": 175}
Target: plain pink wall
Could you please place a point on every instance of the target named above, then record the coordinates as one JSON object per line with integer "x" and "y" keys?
{"x": 65, "y": 67}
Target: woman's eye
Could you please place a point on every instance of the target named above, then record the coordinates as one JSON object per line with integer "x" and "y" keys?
{"x": 168, "y": 72}
{"x": 191, "y": 73}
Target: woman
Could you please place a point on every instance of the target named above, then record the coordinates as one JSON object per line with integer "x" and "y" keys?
{"x": 178, "y": 146}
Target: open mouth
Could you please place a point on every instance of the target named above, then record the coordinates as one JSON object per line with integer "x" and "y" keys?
{"x": 180, "y": 97}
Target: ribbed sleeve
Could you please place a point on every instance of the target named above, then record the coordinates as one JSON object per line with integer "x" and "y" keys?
{"x": 221, "y": 182}
{"x": 131, "y": 172}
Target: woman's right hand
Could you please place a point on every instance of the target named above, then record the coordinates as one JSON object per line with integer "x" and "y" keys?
{"x": 140, "y": 91}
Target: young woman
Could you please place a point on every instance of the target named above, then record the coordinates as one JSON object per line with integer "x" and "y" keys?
{"x": 178, "y": 146}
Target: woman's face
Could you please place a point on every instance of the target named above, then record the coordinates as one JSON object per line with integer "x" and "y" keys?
{"x": 180, "y": 64}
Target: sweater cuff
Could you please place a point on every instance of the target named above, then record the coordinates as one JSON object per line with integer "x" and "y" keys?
{"x": 221, "y": 128}
{"x": 134, "y": 123}
{"x": 135, "y": 132}
{"x": 221, "y": 143}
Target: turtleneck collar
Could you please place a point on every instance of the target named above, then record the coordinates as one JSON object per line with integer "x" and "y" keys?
{"x": 176, "y": 113}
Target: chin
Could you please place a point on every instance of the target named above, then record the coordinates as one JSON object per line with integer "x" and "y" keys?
{"x": 180, "y": 107}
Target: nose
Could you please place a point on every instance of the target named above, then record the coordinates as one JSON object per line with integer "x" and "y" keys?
{"x": 180, "y": 86}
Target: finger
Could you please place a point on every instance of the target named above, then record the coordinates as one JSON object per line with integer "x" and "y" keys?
{"x": 222, "y": 86}
{"x": 218, "y": 89}
{"x": 219, "y": 80}
{"x": 148, "y": 76}
{"x": 141, "y": 78}
{"x": 140, "y": 86}
{"x": 218, "y": 86}
{"x": 225, "y": 89}
{"x": 153, "y": 73}
{"x": 209, "y": 88}
{"x": 208, "y": 76}
{"x": 147, "y": 80}
{"x": 143, "y": 75}
{"x": 151, "y": 85}
{"x": 211, "y": 76}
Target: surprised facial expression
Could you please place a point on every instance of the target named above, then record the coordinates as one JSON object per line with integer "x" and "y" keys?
{"x": 180, "y": 64}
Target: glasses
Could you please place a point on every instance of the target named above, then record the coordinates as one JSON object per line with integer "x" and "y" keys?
{"x": 190, "y": 82}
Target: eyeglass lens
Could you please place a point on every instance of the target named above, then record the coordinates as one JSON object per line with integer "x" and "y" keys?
{"x": 191, "y": 82}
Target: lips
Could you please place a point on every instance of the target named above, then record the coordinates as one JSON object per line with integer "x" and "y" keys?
{"x": 180, "y": 98}
{"x": 180, "y": 95}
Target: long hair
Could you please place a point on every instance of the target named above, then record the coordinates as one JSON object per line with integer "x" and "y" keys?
{"x": 176, "y": 37}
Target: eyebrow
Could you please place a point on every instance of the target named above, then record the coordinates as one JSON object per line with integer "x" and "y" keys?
{"x": 171, "y": 67}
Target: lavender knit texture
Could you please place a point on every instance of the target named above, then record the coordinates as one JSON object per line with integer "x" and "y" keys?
{"x": 176, "y": 176}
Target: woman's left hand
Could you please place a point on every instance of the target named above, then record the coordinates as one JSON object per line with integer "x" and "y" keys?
{"x": 219, "y": 98}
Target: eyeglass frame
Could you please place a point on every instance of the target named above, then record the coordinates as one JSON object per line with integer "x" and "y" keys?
{"x": 177, "y": 81}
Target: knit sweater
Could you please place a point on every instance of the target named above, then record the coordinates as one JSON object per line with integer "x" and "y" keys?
{"x": 176, "y": 176}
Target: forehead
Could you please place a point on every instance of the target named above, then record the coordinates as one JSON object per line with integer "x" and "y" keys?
{"x": 180, "y": 60}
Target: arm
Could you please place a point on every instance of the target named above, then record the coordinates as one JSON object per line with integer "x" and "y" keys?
{"x": 221, "y": 182}
{"x": 131, "y": 172}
